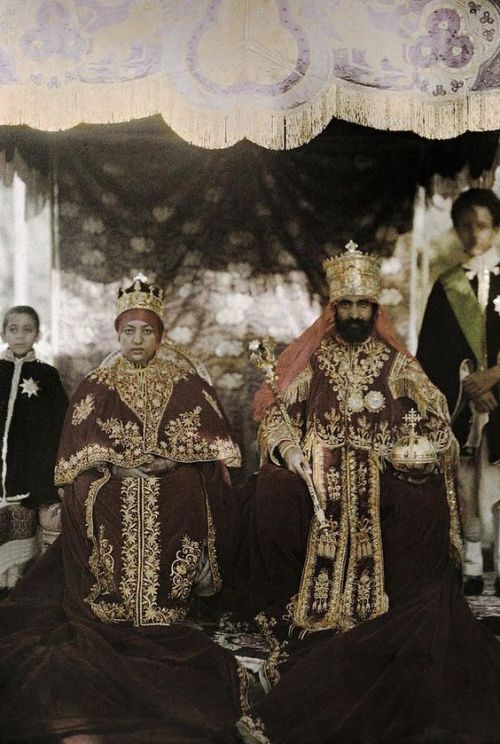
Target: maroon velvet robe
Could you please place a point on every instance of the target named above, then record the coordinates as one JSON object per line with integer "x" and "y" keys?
{"x": 143, "y": 537}
{"x": 386, "y": 649}
{"x": 92, "y": 640}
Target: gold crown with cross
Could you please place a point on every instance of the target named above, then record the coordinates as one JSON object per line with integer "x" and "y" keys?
{"x": 353, "y": 273}
{"x": 140, "y": 295}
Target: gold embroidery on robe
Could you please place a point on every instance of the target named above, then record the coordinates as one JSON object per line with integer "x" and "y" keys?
{"x": 255, "y": 727}
{"x": 358, "y": 544}
{"x": 140, "y": 557}
{"x": 351, "y": 369}
{"x": 363, "y": 604}
{"x": 102, "y": 565}
{"x": 211, "y": 548}
{"x": 67, "y": 470}
{"x": 272, "y": 431}
{"x": 321, "y": 586}
{"x": 211, "y": 400}
{"x": 82, "y": 409}
{"x": 185, "y": 444}
{"x": 145, "y": 390}
{"x": 299, "y": 387}
{"x": 126, "y": 434}
{"x": 276, "y": 652}
{"x": 183, "y": 568}
{"x": 350, "y": 425}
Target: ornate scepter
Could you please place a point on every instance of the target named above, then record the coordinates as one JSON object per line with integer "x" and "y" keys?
{"x": 262, "y": 355}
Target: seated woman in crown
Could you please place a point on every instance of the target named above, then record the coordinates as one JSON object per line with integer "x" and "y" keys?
{"x": 101, "y": 641}
{"x": 150, "y": 437}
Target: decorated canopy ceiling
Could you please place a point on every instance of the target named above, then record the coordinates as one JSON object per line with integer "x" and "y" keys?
{"x": 272, "y": 71}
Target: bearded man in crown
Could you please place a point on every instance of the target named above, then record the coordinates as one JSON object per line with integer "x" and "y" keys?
{"x": 358, "y": 589}
{"x": 100, "y": 641}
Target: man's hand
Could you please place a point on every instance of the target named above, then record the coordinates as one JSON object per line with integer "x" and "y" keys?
{"x": 480, "y": 382}
{"x": 295, "y": 461}
{"x": 485, "y": 403}
{"x": 417, "y": 475}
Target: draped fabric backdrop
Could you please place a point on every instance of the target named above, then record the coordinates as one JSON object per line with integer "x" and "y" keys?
{"x": 236, "y": 237}
{"x": 274, "y": 71}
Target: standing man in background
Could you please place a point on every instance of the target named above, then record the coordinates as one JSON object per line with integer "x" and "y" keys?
{"x": 459, "y": 348}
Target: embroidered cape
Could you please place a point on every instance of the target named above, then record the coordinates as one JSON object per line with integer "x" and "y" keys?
{"x": 122, "y": 415}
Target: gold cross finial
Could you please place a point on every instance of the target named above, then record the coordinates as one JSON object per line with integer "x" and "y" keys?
{"x": 412, "y": 418}
{"x": 351, "y": 247}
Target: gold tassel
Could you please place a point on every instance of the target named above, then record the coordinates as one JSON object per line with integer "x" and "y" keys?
{"x": 327, "y": 546}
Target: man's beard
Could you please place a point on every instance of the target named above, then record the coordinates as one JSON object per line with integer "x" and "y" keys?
{"x": 354, "y": 330}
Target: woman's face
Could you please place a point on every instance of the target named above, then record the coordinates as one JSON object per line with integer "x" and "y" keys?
{"x": 476, "y": 230}
{"x": 138, "y": 342}
{"x": 20, "y": 333}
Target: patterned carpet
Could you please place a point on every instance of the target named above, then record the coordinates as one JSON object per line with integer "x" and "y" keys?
{"x": 486, "y": 607}
{"x": 250, "y": 649}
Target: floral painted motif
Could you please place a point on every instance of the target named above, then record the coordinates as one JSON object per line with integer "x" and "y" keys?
{"x": 272, "y": 59}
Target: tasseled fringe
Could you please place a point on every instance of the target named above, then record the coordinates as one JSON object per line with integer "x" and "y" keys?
{"x": 406, "y": 387}
{"x": 298, "y": 389}
{"x": 77, "y": 103}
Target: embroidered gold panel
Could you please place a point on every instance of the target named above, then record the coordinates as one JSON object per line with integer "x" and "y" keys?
{"x": 343, "y": 586}
{"x": 145, "y": 390}
{"x": 139, "y": 583}
{"x": 183, "y": 441}
{"x": 102, "y": 429}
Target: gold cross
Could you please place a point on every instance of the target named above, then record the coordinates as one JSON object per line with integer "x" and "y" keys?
{"x": 351, "y": 247}
{"x": 412, "y": 418}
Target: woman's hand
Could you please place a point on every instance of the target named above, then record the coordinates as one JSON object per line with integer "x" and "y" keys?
{"x": 480, "y": 382}
{"x": 156, "y": 468}
{"x": 295, "y": 461}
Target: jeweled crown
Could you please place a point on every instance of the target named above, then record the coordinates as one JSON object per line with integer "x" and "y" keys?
{"x": 353, "y": 273}
{"x": 141, "y": 295}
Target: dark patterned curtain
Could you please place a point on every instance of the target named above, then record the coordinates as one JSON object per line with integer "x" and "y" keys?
{"x": 236, "y": 236}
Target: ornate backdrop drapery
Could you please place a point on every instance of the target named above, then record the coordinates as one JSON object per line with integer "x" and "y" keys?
{"x": 235, "y": 236}
{"x": 273, "y": 71}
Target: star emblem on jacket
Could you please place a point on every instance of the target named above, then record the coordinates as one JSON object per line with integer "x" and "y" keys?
{"x": 496, "y": 303}
{"x": 29, "y": 387}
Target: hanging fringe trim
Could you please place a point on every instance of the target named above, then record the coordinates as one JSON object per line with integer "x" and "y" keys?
{"x": 298, "y": 389}
{"x": 407, "y": 387}
{"x": 203, "y": 126}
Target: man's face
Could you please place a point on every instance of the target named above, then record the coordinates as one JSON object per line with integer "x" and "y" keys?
{"x": 355, "y": 317}
{"x": 20, "y": 333}
{"x": 475, "y": 229}
{"x": 138, "y": 342}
